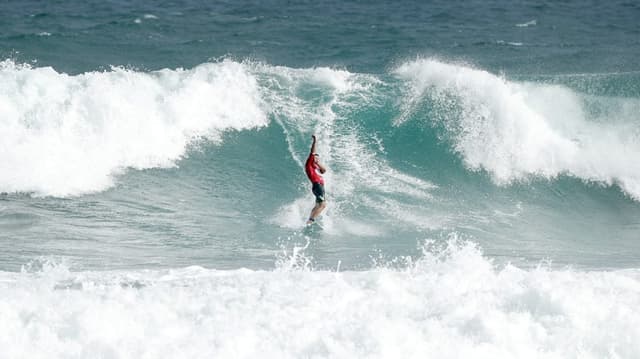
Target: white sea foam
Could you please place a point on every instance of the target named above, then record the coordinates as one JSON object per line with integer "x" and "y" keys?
{"x": 452, "y": 303}
{"x": 528, "y": 23}
{"x": 517, "y": 130}
{"x": 510, "y": 43}
{"x": 67, "y": 135}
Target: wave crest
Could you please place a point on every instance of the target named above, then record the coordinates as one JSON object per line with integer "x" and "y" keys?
{"x": 517, "y": 130}
{"x": 69, "y": 135}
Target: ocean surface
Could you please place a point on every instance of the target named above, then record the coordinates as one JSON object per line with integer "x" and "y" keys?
{"x": 483, "y": 180}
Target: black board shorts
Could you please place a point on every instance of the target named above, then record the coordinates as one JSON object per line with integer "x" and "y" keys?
{"x": 318, "y": 191}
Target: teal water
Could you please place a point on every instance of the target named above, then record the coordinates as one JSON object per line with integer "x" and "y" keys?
{"x": 482, "y": 154}
{"x": 530, "y": 170}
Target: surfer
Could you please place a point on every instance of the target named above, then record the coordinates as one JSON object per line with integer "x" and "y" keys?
{"x": 312, "y": 167}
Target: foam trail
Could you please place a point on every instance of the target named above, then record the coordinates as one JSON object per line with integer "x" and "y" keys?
{"x": 451, "y": 303}
{"x": 69, "y": 135}
{"x": 517, "y": 130}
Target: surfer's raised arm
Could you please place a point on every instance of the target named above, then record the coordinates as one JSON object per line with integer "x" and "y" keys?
{"x": 315, "y": 156}
{"x": 313, "y": 144}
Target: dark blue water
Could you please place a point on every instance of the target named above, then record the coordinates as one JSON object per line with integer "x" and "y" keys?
{"x": 524, "y": 37}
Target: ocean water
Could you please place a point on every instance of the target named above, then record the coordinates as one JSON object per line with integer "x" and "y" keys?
{"x": 483, "y": 182}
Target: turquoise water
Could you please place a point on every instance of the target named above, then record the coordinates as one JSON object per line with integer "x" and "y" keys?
{"x": 483, "y": 186}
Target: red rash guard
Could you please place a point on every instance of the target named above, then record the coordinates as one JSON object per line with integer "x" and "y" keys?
{"x": 311, "y": 168}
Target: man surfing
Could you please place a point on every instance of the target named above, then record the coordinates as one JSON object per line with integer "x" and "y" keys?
{"x": 312, "y": 167}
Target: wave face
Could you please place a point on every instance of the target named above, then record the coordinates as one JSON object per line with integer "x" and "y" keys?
{"x": 451, "y": 303}
{"x": 69, "y": 135}
{"x": 213, "y": 156}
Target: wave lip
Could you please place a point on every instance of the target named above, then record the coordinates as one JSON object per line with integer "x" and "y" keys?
{"x": 518, "y": 130}
{"x": 70, "y": 135}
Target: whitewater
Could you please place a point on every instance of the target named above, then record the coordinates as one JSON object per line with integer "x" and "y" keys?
{"x": 451, "y": 303}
